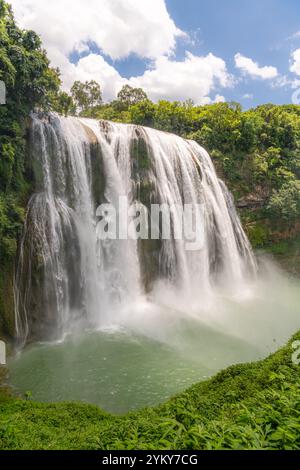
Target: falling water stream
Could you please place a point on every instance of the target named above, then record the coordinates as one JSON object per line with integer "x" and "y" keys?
{"x": 127, "y": 323}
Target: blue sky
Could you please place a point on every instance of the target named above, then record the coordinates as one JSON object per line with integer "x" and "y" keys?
{"x": 209, "y": 51}
{"x": 260, "y": 29}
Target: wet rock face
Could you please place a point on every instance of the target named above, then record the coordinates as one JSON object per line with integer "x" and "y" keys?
{"x": 97, "y": 174}
{"x": 48, "y": 275}
{"x": 140, "y": 152}
{"x": 146, "y": 193}
{"x": 7, "y": 320}
{"x": 49, "y": 281}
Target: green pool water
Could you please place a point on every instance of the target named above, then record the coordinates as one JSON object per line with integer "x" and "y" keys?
{"x": 118, "y": 372}
{"x": 158, "y": 352}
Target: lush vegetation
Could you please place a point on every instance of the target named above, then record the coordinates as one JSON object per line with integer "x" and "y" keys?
{"x": 30, "y": 83}
{"x": 252, "y": 406}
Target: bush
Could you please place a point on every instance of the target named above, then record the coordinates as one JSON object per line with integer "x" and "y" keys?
{"x": 258, "y": 235}
{"x": 285, "y": 203}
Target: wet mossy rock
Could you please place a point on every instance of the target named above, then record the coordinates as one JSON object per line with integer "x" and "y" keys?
{"x": 97, "y": 170}
{"x": 97, "y": 174}
{"x": 143, "y": 175}
{"x": 7, "y": 322}
{"x": 140, "y": 152}
{"x": 149, "y": 253}
{"x": 146, "y": 193}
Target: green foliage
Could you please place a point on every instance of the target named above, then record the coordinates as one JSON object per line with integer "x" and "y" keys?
{"x": 258, "y": 235}
{"x": 6, "y": 164}
{"x": 63, "y": 104}
{"x": 86, "y": 96}
{"x": 24, "y": 67}
{"x": 143, "y": 113}
{"x": 285, "y": 203}
{"x": 251, "y": 406}
{"x": 129, "y": 96}
{"x": 11, "y": 222}
{"x": 110, "y": 112}
{"x": 141, "y": 154}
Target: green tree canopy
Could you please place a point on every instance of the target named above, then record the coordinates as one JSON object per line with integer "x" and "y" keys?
{"x": 86, "y": 96}
{"x": 129, "y": 96}
{"x": 285, "y": 203}
{"x": 64, "y": 104}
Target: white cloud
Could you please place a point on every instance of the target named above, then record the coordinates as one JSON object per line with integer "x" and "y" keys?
{"x": 296, "y": 35}
{"x": 219, "y": 99}
{"x": 120, "y": 28}
{"x": 248, "y": 96}
{"x": 284, "y": 81}
{"x": 195, "y": 77}
{"x": 295, "y": 66}
{"x": 248, "y": 66}
{"x": 91, "y": 67}
{"x": 117, "y": 27}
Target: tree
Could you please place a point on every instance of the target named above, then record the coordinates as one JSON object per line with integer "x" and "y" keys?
{"x": 143, "y": 113}
{"x": 285, "y": 203}
{"x": 86, "y": 95}
{"x": 129, "y": 96}
{"x": 64, "y": 104}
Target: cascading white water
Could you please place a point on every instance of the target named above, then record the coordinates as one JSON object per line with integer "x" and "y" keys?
{"x": 65, "y": 274}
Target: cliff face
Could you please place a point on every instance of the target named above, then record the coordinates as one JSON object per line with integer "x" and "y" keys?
{"x": 252, "y": 202}
{"x": 7, "y": 324}
{"x": 12, "y": 214}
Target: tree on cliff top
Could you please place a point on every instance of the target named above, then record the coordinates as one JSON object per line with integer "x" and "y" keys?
{"x": 86, "y": 96}
{"x": 130, "y": 96}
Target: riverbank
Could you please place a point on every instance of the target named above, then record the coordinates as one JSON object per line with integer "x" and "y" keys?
{"x": 251, "y": 406}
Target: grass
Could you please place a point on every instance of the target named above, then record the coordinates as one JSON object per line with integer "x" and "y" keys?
{"x": 251, "y": 406}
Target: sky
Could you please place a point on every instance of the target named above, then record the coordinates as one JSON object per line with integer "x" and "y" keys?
{"x": 205, "y": 50}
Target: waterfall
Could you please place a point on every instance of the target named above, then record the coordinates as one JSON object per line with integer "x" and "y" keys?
{"x": 66, "y": 275}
